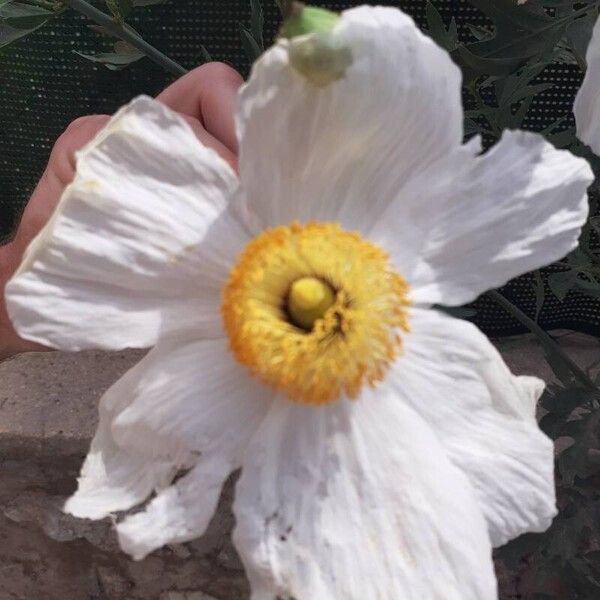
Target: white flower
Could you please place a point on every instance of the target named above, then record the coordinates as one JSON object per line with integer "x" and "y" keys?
{"x": 399, "y": 492}
{"x": 587, "y": 101}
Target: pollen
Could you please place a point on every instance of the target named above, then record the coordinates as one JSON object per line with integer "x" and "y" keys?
{"x": 314, "y": 311}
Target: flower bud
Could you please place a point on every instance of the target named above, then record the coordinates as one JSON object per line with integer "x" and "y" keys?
{"x": 314, "y": 49}
{"x": 307, "y": 19}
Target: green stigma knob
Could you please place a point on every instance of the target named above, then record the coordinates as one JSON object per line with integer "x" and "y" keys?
{"x": 308, "y": 300}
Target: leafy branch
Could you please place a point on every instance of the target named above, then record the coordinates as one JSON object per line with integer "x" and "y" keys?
{"x": 504, "y": 73}
{"x": 521, "y": 32}
{"x": 116, "y": 27}
{"x": 19, "y": 18}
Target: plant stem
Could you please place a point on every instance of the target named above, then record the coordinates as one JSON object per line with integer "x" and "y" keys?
{"x": 127, "y": 34}
{"x": 543, "y": 337}
{"x": 47, "y": 4}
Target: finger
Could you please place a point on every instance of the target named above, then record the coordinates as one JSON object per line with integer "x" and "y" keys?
{"x": 10, "y": 342}
{"x": 58, "y": 174}
{"x": 76, "y": 136}
{"x": 208, "y": 94}
{"x": 211, "y": 142}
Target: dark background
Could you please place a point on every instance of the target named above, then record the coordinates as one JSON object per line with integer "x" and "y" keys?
{"x": 44, "y": 86}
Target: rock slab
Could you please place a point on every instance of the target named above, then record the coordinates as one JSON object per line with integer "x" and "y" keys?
{"x": 48, "y": 413}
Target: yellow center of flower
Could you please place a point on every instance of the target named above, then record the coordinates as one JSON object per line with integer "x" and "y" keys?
{"x": 314, "y": 311}
{"x": 308, "y": 300}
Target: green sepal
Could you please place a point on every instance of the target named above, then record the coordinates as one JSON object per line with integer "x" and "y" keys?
{"x": 307, "y": 19}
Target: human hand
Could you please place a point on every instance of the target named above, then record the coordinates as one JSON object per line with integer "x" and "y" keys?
{"x": 204, "y": 97}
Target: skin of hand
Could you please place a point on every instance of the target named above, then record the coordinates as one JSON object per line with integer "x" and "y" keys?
{"x": 205, "y": 97}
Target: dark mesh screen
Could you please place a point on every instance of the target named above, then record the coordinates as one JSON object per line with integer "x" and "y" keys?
{"x": 44, "y": 86}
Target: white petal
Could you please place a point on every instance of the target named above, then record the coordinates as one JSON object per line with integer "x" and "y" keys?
{"x": 484, "y": 417}
{"x": 137, "y": 246}
{"x": 473, "y": 223}
{"x": 201, "y": 411}
{"x": 587, "y": 101}
{"x": 341, "y": 152}
{"x": 179, "y": 513}
{"x": 357, "y": 500}
{"x": 193, "y": 398}
{"x": 113, "y": 478}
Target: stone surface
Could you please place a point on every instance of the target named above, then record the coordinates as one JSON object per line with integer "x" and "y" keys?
{"x": 47, "y": 416}
{"x": 48, "y": 413}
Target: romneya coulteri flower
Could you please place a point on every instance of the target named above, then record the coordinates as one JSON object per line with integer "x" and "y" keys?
{"x": 384, "y": 446}
{"x": 587, "y": 101}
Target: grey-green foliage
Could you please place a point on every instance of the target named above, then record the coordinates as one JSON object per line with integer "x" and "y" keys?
{"x": 521, "y": 31}
{"x": 122, "y": 56}
{"x": 120, "y": 9}
{"x": 445, "y": 36}
{"x": 503, "y": 70}
{"x": 18, "y": 19}
{"x": 252, "y": 36}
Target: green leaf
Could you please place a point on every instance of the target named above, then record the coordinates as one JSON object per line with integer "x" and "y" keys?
{"x": 23, "y": 16}
{"x": 123, "y": 56}
{"x": 513, "y": 552}
{"x": 204, "y": 55}
{"x": 579, "y": 33}
{"x": 458, "y": 312}
{"x": 435, "y": 23}
{"x": 562, "y": 139}
{"x": 471, "y": 127}
{"x": 552, "y": 424}
{"x": 594, "y": 291}
{"x": 120, "y": 9}
{"x": 257, "y": 22}
{"x": 562, "y": 283}
{"x": 565, "y": 543}
{"x": 10, "y": 34}
{"x": 563, "y": 401}
{"x": 521, "y": 31}
{"x": 540, "y": 293}
{"x": 251, "y": 47}
{"x": 448, "y": 39}
{"x": 480, "y": 33}
{"x": 572, "y": 462}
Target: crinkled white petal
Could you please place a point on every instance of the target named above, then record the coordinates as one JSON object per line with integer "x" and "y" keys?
{"x": 179, "y": 513}
{"x": 358, "y": 500}
{"x": 201, "y": 412}
{"x": 484, "y": 416}
{"x": 194, "y": 398}
{"x": 342, "y": 152}
{"x": 474, "y": 222}
{"x": 140, "y": 242}
{"x": 114, "y": 478}
{"x": 587, "y": 101}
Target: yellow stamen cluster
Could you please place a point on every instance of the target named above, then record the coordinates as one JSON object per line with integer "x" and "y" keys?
{"x": 314, "y": 311}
